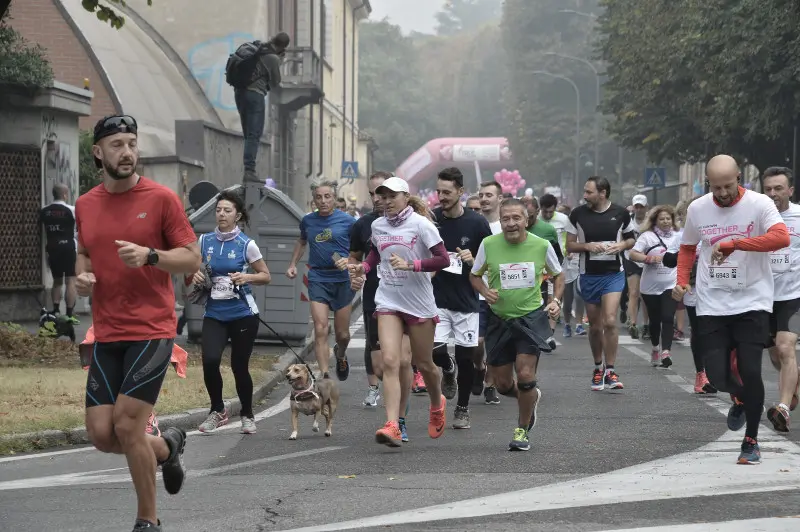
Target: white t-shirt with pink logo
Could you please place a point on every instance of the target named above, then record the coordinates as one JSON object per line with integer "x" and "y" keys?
{"x": 400, "y": 290}
{"x": 743, "y": 282}
{"x": 656, "y": 278}
{"x": 785, "y": 263}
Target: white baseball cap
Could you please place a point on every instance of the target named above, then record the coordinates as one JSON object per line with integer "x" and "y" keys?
{"x": 639, "y": 199}
{"x": 395, "y": 184}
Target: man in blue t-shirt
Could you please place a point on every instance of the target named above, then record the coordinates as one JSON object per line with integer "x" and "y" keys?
{"x": 327, "y": 232}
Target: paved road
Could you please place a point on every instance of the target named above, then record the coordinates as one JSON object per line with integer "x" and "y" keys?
{"x": 653, "y": 456}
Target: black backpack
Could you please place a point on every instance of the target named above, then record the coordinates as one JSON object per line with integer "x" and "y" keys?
{"x": 242, "y": 63}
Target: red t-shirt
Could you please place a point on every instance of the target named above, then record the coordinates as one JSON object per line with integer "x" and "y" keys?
{"x": 132, "y": 304}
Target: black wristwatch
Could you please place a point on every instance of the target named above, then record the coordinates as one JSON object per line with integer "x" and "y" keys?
{"x": 152, "y": 257}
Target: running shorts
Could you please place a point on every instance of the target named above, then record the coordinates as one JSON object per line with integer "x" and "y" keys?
{"x": 782, "y": 312}
{"x": 592, "y": 288}
{"x": 135, "y": 369}
{"x": 462, "y": 326}
{"x": 61, "y": 261}
{"x": 336, "y": 295}
{"x": 526, "y": 335}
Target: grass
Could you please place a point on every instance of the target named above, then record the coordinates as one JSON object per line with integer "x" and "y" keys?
{"x": 34, "y": 399}
{"x": 43, "y": 386}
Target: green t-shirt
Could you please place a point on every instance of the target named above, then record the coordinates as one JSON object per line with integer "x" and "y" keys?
{"x": 515, "y": 271}
{"x": 545, "y": 230}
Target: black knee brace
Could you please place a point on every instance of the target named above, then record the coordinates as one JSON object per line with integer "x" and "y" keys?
{"x": 508, "y": 393}
{"x": 525, "y": 386}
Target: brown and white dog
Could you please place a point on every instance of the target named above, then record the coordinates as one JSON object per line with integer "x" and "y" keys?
{"x": 311, "y": 397}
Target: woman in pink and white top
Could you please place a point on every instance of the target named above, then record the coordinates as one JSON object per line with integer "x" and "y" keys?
{"x": 407, "y": 246}
{"x": 659, "y": 235}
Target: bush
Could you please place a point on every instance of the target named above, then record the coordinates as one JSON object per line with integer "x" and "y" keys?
{"x": 22, "y": 63}
{"x": 18, "y": 347}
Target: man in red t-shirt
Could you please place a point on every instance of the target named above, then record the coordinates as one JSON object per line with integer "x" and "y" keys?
{"x": 133, "y": 234}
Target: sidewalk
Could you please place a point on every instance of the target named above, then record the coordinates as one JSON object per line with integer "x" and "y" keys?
{"x": 189, "y": 419}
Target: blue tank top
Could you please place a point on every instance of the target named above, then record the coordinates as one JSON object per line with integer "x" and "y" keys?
{"x": 225, "y": 302}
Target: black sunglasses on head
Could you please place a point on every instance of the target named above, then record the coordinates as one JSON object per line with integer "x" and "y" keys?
{"x": 116, "y": 124}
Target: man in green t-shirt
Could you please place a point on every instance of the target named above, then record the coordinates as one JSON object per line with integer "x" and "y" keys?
{"x": 545, "y": 230}
{"x": 518, "y": 327}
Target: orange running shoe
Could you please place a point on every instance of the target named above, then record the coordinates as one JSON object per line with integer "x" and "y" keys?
{"x": 389, "y": 434}
{"x": 437, "y": 420}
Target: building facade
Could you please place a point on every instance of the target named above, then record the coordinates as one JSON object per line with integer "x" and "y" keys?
{"x": 167, "y": 64}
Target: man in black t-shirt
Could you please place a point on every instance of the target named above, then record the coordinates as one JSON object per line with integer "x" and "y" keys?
{"x": 58, "y": 222}
{"x": 603, "y": 230}
{"x": 360, "y": 244}
{"x": 462, "y": 231}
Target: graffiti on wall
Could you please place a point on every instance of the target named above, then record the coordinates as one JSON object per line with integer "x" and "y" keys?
{"x": 56, "y": 160}
{"x": 207, "y": 61}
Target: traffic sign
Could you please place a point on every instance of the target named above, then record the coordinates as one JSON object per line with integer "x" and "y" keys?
{"x": 655, "y": 177}
{"x": 349, "y": 169}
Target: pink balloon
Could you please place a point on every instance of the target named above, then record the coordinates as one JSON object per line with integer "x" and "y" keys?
{"x": 522, "y": 183}
{"x": 497, "y": 175}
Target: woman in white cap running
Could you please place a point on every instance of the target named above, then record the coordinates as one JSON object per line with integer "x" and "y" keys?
{"x": 407, "y": 246}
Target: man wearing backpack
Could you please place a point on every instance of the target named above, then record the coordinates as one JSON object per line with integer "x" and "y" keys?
{"x": 253, "y": 71}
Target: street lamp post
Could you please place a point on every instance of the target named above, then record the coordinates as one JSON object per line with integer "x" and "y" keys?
{"x": 577, "y": 124}
{"x": 597, "y": 96}
{"x": 594, "y": 17}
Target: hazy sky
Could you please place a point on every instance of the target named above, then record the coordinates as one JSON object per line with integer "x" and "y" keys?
{"x": 411, "y": 15}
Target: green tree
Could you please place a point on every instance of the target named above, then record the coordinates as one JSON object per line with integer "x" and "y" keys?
{"x": 106, "y": 13}
{"x": 21, "y": 63}
{"x": 540, "y": 110}
{"x": 88, "y": 173}
{"x": 466, "y": 15}
{"x": 725, "y": 79}
{"x": 392, "y": 102}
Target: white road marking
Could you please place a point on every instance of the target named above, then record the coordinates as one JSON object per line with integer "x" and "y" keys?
{"x": 276, "y": 409}
{"x": 705, "y": 472}
{"x": 269, "y": 412}
{"x": 770, "y": 524}
{"x": 708, "y": 471}
{"x": 102, "y": 476}
{"x": 264, "y": 414}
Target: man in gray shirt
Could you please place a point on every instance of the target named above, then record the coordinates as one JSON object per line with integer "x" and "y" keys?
{"x": 250, "y": 101}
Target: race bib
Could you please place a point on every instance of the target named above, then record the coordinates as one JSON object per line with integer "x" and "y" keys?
{"x": 222, "y": 288}
{"x": 455, "y": 264}
{"x": 514, "y": 276}
{"x": 730, "y": 275}
{"x": 603, "y": 256}
{"x": 780, "y": 261}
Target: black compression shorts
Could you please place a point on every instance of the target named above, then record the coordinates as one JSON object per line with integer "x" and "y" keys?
{"x": 135, "y": 369}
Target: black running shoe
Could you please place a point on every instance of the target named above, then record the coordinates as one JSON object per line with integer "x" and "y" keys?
{"x": 342, "y": 366}
{"x": 173, "y": 470}
{"x": 146, "y": 526}
{"x": 490, "y": 396}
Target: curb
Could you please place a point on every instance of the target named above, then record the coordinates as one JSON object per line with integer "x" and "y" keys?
{"x": 188, "y": 420}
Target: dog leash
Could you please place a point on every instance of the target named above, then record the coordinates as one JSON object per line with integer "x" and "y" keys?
{"x": 284, "y": 342}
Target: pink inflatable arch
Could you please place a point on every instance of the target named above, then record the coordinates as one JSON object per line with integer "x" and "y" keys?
{"x": 490, "y": 153}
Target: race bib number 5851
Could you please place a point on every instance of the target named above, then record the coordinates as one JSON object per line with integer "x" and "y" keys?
{"x": 514, "y": 276}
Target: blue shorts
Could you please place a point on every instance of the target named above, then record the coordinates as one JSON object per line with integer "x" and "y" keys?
{"x": 336, "y": 295}
{"x": 592, "y": 288}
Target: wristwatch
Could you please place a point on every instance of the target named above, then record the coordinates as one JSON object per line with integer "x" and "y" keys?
{"x": 152, "y": 257}
{"x": 558, "y": 301}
